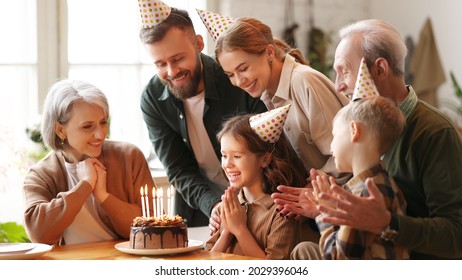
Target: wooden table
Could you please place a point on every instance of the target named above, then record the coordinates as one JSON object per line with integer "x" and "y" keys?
{"x": 105, "y": 251}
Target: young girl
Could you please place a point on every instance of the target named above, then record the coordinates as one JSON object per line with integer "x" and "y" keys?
{"x": 250, "y": 225}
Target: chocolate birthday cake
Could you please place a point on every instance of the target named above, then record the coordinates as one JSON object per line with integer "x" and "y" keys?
{"x": 158, "y": 233}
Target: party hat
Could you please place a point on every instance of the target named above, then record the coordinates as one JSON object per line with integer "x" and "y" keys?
{"x": 268, "y": 125}
{"x": 364, "y": 86}
{"x": 153, "y": 12}
{"x": 216, "y": 24}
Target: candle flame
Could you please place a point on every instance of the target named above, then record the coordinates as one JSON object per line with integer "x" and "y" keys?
{"x": 141, "y": 191}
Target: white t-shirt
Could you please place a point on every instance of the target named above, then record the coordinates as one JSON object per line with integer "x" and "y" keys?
{"x": 209, "y": 164}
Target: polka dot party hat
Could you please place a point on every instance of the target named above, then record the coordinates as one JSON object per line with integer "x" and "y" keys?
{"x": 365, "y": 86}
{"x": 268, "y": 125}
{"x": 216, "y": 24}
{"x": 153, "y": 12}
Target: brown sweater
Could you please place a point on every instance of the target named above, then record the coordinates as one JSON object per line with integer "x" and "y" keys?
{"x": 51, "y": 207}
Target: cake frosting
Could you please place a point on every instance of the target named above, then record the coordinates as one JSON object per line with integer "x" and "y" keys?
{"x": 164, "y": 232}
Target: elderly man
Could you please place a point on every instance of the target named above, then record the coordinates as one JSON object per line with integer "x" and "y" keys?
{"x": 425, "y": 161}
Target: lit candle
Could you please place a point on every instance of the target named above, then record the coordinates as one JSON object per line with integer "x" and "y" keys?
{"x": 172, "y": 195}
{"x": 147, "y": 200}
{"x": 159, "y": 199}
{"x": 168, "y": 202}
{"x": 142, "y": 201}
{"x": 154, "y": 198}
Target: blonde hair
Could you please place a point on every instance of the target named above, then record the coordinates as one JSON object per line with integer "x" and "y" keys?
{"x": 379, "y": 115}
{"x": 253, "y": 36}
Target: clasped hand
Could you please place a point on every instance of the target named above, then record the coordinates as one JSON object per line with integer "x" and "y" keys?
{"x": 233, "y": 214}
{"x": 94, "y": 172}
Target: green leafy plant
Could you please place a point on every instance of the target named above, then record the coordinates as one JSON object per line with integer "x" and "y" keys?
{"x": 457, "y": 92}
{"x": 11, "y": 232}
{"x": 319, "y": 42}
{"x": 35, "y": 135}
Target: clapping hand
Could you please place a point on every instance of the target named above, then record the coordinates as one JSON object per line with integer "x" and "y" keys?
{"x": 321, "y": 190}
{"x": 293, "y": 202}
{"x": 364, "y": 213}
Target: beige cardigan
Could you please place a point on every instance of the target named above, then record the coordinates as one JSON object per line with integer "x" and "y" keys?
{"x": 51, "y": 207}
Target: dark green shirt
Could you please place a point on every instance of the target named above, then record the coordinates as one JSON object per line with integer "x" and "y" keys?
{"x": 166, "y": 122}
{"x": 426, "y": 163}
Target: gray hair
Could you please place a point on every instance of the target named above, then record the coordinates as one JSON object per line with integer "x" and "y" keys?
{"x": 59, "y": 103}
{"x": 379, "y": 39}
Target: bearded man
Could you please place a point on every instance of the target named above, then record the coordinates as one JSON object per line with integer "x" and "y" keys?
{"x": 183, "y": 106}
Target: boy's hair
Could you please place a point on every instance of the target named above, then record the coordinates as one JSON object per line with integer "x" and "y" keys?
{"x": 284, "y": 168}
{"x": 379, "y": 115}
{"x": 177, "y": 19}
{"x": 253, "y": 36}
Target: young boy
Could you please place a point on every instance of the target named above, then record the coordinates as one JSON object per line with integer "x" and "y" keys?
{"x": 362, "y": 132}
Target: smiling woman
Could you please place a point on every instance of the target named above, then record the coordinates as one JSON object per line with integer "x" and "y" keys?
{"x": 86, "y": 188}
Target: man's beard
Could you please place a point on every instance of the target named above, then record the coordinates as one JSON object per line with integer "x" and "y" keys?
{"x": 189, "y": 89}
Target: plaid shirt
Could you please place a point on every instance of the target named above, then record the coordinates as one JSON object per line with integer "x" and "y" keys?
{"x": 344, "y": 242}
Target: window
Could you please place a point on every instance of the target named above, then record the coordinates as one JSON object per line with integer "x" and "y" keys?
{"x": 45, "y": 40}
{"x": 18, "y": 106}
{"x": 104, "y": 49}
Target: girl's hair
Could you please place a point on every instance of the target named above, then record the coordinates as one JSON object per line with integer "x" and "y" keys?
{"x": 379, "y": 39}
{"x": 253, "y": 36}
{"x": 284, "y": 168}
{"x": 379, "y": 115}
{"x": 61, "y": 98}
{"x": 177, "y": 19}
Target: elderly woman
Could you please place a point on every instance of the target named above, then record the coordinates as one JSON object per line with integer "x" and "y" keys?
{"x": 88, "y": 188}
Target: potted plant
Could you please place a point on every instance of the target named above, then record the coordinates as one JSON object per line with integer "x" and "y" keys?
{"x": 458, "y": 93}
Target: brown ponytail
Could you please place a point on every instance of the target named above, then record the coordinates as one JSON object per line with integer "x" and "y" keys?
{"x": 283, "y": 47}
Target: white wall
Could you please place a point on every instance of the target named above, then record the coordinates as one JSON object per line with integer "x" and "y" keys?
{"x": 328, "y": 15}
{"x": 409, "y": 16}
